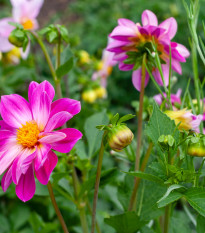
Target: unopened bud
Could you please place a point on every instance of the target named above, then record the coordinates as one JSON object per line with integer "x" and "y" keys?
{"x": 18, "y": 38}
{"x": 100, "y": 92}
{"x": 196, "y": 148}
{"x": 166, "y": 141}
{"x": 119, "y": 137}
{"x": 89, "y": 96}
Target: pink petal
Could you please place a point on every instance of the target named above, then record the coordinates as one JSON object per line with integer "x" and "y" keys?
{"x": 65, "y": 145}
{"x": 126, "y": 23}
{"x": 149, "y": 18}
{"x": 3, "y": 125}
{"x": 125, "y": 67}
{"x": 68, "y": 105}
{"x": 137, "y": 77}
{"x": 157, "y": 76}
{"x": 15, "y": 110}
{"x": 123, "y": 33}
{"x": 116, "y": 46}
{"x": 6, "y": 179}
{"x": 52, "y": 137}
{"x": 41, "y": 155}
{"x": 183, "y": 51}
{"x": 57, "y": 121}
{"x": 41, "y": 106}
{"x": 5, "y": 30}
{"x": 176, "y": 66}
{"x": 43, "y": 173}
{"x": 26, "y": 186}
{"x": 171, "y": 27}
{"x": 32, "y": 86}
{"x": 8, "y": 157}
{"x": 21, "y": 163}
{"x": 120, "y": 56}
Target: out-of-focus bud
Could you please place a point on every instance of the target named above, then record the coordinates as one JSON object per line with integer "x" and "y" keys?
{"x": 119, "y": 137}
{"x": 0, "y": 56}
{"x": 197, "y": 147}
{"x": 19, "y": 38}
{"x": 13, "y": 56}
{"x": 166, "y": 142}
{"x": 89, "y": 96}
{"x": 84, "y": 57}
{"x": 100, "y": 92}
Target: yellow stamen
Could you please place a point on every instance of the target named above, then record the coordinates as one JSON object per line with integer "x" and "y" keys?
{"x": 27, "y": 24}
{"x": 28, "y": 134}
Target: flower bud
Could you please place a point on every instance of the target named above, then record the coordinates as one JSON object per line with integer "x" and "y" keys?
{"x": 119, "y": 137}
{"x": 166, "y": 141}
{"x": 100, "y": 92}
{"x": 89, "y": 96}
{"x": 18, "y": 38}
{"x": 197, "y": 148}
{"x": 84, "y": 57}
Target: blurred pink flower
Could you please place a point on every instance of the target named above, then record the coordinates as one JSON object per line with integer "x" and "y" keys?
{"x": 24, "y": 12}
{"x": 175, "y": 98}
{"x": 132, "y": 40}
{"x": 27, "y": 136}
{"x": 105, "y": 69}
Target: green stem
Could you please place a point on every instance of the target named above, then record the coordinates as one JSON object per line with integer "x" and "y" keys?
{"x": 137, "y": 180}
{"x": 167, "y": 218}
{"x": 51, "y": 67}
{"x": 97, "y": 182}
{"x": 80, "y": 206}
{"x": 53, "y": 200}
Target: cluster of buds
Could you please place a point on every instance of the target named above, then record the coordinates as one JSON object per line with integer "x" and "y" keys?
{"x": 83, "y": 57}
{"x": 118, "y": 135}
{"x": 91, "y": 95}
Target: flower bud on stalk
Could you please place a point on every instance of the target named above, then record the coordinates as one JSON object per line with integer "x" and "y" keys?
{"x": 18, "y": 37}
{"x": 196, "y": 148}
{"x": 119, "y": 137}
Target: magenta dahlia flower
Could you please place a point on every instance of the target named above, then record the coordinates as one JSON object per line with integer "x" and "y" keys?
{"x": 132, "y": 40}
{"x": 27, "y": 136}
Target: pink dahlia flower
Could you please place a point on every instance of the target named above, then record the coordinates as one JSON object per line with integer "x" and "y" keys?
{"x": 175, "y": 98}
{"x": 27, "y": 136}
{"x": 24, "y": 12}
{"x": 132, "y": 40}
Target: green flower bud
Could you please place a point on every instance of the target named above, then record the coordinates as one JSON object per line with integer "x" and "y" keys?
{"x": 119, "y": 137}
{"x": 196, "y": 148}
{"x": 166, "y": 141}
{"x": 18, "y": 38}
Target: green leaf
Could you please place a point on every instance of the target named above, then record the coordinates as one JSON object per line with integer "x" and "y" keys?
{"x": 161, "y": 124}
{"x": 196, "y": 198}
{"x": 115, "y": 119}
{"x": 106, "y": 177}
{"x": 147, "y": 176}
{"x": 19, "y": 216}
{"x": 65, "y": 68}
{"x": 174, "y": 196}
{"x": 17, "y": 25}
{"x": 4, "y": 225}
{"x": 125, "y": 223}
{"x": 146, "y": 229}
{"x": 126, "y": 118}
{"x": 165, "y": 198}
{"x": 41, "y": 190}
{"x": 200, "y": 224}
{"x": 92, "y": 134}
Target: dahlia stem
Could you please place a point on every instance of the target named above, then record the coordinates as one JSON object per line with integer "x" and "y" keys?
{"x": 97, "y": 183}
{"x": 53, "y": 200}
{"x": 137, "y": 180}
{"x": 80, "y": 206}
{"x": 167, "y": 218}
{"x": 51, "y": 67}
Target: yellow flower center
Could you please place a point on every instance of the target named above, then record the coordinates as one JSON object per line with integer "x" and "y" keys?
{"x": 28, "y": 134}
{"x": 27, "y": 24}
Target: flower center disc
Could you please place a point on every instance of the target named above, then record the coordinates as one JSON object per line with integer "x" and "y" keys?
{"x": 27, "y": 24}
{"x": 27, "y": 135}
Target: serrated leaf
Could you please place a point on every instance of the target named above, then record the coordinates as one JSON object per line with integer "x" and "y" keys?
{"x": 115, "y": 119}
{"x": 174, "y": 196}
{"x": 196, "y": 198}
{"x": 126, "y": 118}
{"x": 125, "y": 223}
{"x": 146, "y": 176}
{"x": 160, "y": 124}
{"x": 65, "y": 68}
